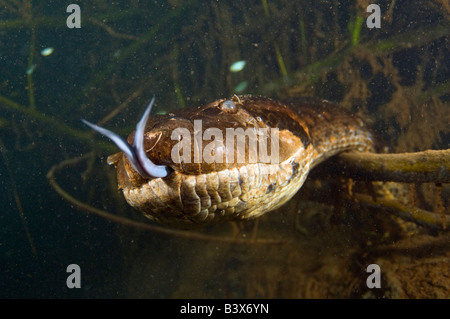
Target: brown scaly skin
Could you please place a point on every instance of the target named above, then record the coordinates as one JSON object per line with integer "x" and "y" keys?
{"x": 198, "y": 194}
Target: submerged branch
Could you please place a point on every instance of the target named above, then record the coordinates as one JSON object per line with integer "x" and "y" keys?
{"x": 410, "y": 213}
{"x": 421, "y": 167}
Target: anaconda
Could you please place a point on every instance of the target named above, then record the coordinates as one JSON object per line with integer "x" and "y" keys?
{"x": 189, "y": 193}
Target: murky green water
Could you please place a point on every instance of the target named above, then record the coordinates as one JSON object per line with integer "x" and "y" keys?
{"x": 184, "y": 53}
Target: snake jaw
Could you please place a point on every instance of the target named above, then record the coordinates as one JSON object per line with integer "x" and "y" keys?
{"x": 135, "y": 153}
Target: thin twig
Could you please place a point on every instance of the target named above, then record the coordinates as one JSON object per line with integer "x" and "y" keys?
{"x": 17, "y": 199}
{"x": 111, "y": 31}
{"x": 121, "y": 106}
{"x": 131, "y": 223}
{"x": 413, "y": 214}
{"x": 31, "y": 99}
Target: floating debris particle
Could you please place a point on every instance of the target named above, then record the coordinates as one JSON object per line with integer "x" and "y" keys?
{"x": 238, "y": 66}
{"x": 117, "y": 53}
{"x": 47, "y": 51}
{"x": 31, "y": 69}
{"x": 241, "y": 87}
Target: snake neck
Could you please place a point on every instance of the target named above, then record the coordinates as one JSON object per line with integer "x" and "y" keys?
{"x": 330, "y": 128}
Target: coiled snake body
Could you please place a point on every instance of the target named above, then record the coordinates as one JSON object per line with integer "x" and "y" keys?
{"x": 196, "y": 194}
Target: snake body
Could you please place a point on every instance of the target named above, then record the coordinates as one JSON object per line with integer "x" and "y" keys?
{"x": 197, "y": 194}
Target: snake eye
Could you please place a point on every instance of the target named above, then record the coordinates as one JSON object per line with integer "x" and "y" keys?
{"x": 228, "y": 106}
{"x": 135, "y": 153}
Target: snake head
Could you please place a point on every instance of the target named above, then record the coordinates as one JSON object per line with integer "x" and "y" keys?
{"x": 165, "y": 171}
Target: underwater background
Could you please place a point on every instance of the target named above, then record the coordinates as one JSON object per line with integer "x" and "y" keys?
{"x": 184, "y": 53}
